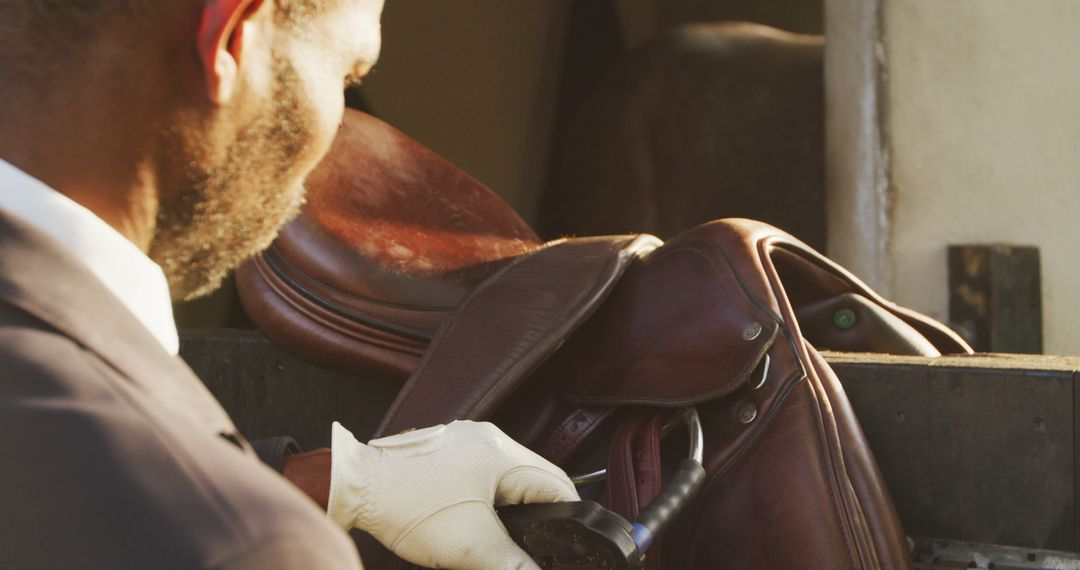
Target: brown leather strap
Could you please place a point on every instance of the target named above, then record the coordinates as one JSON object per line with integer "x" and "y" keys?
{"x": 648, "y": 471}
{"x": 634, "y": 471}
{"x": 568, "y": 436}
{"x": 634, "y": 464}
{"x": 622, "y": 497}
{"x": 647, "y": 460}
{"x": 510, "y": 324}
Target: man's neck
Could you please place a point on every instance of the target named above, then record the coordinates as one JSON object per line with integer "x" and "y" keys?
{"x": 98, "y": 160}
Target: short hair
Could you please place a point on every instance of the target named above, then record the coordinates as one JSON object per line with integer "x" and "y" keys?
{"x": 38, "y": 38}
{"x": 78, "y": 17}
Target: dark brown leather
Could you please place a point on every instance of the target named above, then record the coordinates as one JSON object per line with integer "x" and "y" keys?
{"x": 608, "y": 327}
{"x": 571, "y": 432}
{"x": 310, "y": 472}
{"x": 873, "y": 328}
{"x": 863, "y": 471}
{"x": 634, "y": 469}
{"x": 392, "y": 237}
{"x": 791, "y": 480}
{"x": 622, "y": 486}
{"x": 317, "y": 332}
{"x": 648, "y": 469}
{"x": 809, "y": 277}
{"x": 673, "y": 334}
{"x": 805, "y": 491}
{"x": 508, "y": 326}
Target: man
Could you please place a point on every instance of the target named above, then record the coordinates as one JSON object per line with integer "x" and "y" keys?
{"x": 180, "y": 131}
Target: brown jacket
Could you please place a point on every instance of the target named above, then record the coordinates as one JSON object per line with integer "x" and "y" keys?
{"x": 114, "y": 455}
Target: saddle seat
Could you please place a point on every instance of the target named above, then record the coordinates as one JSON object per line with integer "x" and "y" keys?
{"x": 391, "y": 238}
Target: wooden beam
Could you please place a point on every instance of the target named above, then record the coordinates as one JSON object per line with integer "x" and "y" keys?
{"x": 995, "y": 297}
{"x": 979, "y": 449}
{"x": 268, "y": 392}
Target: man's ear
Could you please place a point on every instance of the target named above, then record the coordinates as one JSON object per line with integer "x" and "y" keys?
{"x": 221, "y": 43}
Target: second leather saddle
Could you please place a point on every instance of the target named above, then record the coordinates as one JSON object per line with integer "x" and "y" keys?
{"x": 582, "y": 349}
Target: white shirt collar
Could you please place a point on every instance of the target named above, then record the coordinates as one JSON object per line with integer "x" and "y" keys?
{"x": 123, "y": 268}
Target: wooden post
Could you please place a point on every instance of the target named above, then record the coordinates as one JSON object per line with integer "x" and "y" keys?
{"x": 995, "y": 297}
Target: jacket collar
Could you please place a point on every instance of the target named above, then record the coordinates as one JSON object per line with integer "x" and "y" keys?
{"x": 39, "y": 277}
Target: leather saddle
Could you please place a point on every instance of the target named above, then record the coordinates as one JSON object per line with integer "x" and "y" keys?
{"x": 582, "y": 349}
{"x": 391, "y": 238}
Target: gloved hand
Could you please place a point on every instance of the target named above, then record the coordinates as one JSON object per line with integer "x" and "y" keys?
{"x": 428, "y": 495}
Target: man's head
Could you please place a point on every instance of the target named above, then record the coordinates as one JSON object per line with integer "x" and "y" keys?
{"x": 207, "y": 114}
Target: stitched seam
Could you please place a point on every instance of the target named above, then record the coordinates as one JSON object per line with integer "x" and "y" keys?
{"x": 513, "y": 369}
{"x": 564, "y": 441}
{"x": 419, "y": 519}
{"x": 527, "y": 360}
{"x": 839, "y": 468}
{"x": 535, "y": 469}
{"x": 827, "y": 472}
{"x": 450, "y": 325}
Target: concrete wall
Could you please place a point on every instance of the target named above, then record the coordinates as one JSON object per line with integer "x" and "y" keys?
{"x": 977, "y": 108}
{"x": 856, "y": 159}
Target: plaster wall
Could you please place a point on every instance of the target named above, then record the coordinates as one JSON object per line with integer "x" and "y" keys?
{"x": 982, "y": 133}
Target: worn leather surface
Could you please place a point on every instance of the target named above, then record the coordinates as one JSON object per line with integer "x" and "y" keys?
{"x": 873, "y": 328}
{"x": 553, "y": 337}
{"x": 389, "y": 220}
{"x": 887, "y": 536}
{"x": 314, "y": 331}
{"x": 809, "y": 277}
{"x": 391, "y": 238}
{"x": 622, "y": 486}
{"x": 501, "y": 332}
{"x": 677, "y": 331}
{"x": 796, "y": 485}
{"x": 791, "y": 481}
{"x": 569, "y": 433}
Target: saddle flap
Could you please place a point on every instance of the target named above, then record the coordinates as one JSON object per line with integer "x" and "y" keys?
{"x": 510, "y": 324}
{"x": 678, "y": 330}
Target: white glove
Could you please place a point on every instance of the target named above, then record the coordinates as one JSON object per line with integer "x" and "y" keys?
{"x": 428, "y": 495}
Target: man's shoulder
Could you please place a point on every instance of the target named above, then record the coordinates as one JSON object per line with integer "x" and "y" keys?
{"x": 41, "y": 363}
{"x": 29, "y": 347}
{"x": 98, "y": 467}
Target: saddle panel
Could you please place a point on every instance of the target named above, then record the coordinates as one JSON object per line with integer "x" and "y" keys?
{"x": 804, "y": 277}
{"x": 677, "y": 331}
{"x": 791, "y": 480}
